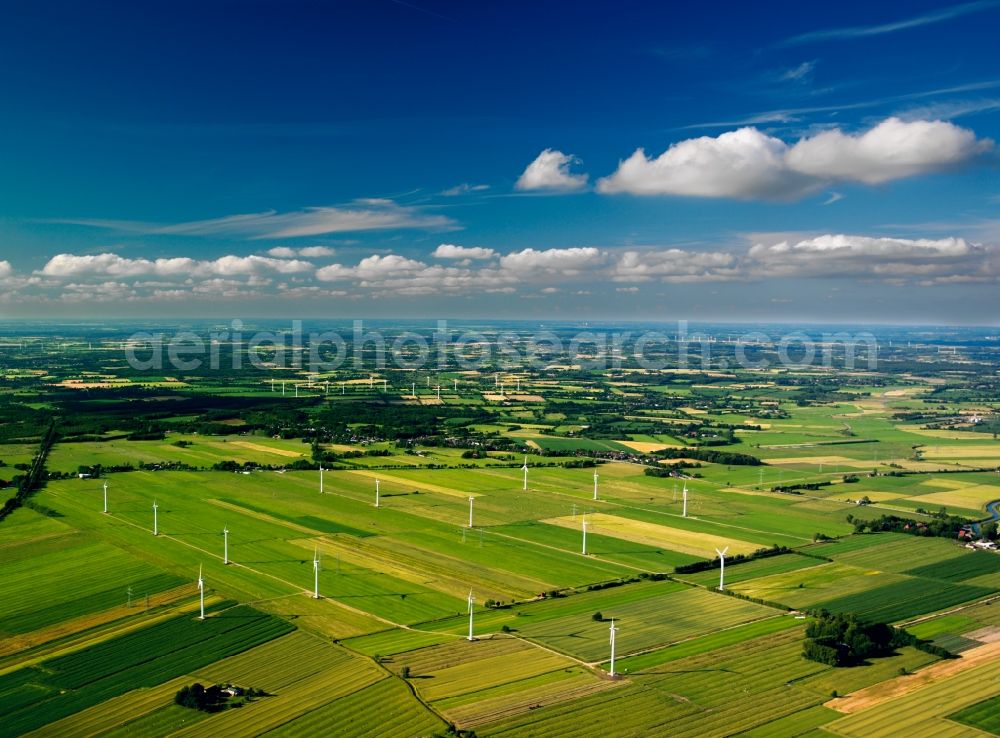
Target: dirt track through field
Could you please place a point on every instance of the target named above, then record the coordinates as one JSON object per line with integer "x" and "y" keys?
{"x": 885, "y": 691}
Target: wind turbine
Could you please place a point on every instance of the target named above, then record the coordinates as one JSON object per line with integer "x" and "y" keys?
{"x": 296, "y": 389}
{"x": 584, "y": 552}
{"x": 614, "y": 631}
{"x": 321, "y": 479}
{"x": 156, "y": 527}
{"x": 456, "y": 385}
{"x": 439, "y": 391}
{"x": 684, "y": 512}
{"x": 316, "y": 574}
{"x": 385, "y": 384}
{"x": 595, "y": 485}
{"x": 722, "y": 567}
{"x": 413, "y": 388}
{"x": 272, "y": 384}
{"x": 282, "y": 388}
{"x": 525, "y": 468}
{"x": 105, "y": 498}
{"x": 225, "y": 545}
{"x": 472, "y": 601}
{"x": 471, "y": 500}
{"x": 376, "y": 493}
{"x": 518, "y": 384}
{"x": 201, "y": 593}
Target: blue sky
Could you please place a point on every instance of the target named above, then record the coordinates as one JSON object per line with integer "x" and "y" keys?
{"x": 621, "y": 160}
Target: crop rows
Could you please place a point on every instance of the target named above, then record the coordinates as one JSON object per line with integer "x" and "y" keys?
{"x": 142, "y": 658}
{"x": 905, "y": 599}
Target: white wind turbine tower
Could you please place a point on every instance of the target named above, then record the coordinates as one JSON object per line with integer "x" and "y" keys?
{"x": 225, "y": 545}
{"x": 584, "y": 551}
{"x": 595, "y": 485}
{"x": 385, "y": 384}
{"x": 156, "y": 527}
{"x": 321, "y": 479}
{"x": 296, "y": 389}
{"x": 525, "y": 468}
{"x": 201, "y": 593}
{"x": 272, "y": 384}
{"x": 471, "y": 500}
{"x": 456, "y": 385}
{"x": 413, "y": 388}
{"x": 614, "y": 631}
{"x": 376, "y": 494}
{"x": 439, "y": 391}
{"x": 326, "y": 387}
{"x": 722, "y": 567}
{"x": 282, "y": 388}
{"x": 684, "y": 511}
{"x": 316, "y": 574}
{"x": 472, "y": 601}
{"x": 105, "y": 498}
{"x": 518, "y": 384}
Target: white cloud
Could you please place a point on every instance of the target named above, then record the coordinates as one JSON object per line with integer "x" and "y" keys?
{"x": 569, "y": 261}
{"x": 285, "y": 252}
{"x": 550, "y": 171}
{"x": 464, "y": 189}
{"x": 867, "y": 257}
{"x": 891, "y": 150}
{"x": 366, "y": 214}
{"x": 675, "y": 265}
{"x": 451, "y": 251}
{"x": 749, "y": 164}
{"x": 5, "y": 269}
{"x": 313, "y": 252}
{"x": 109, "y": 264}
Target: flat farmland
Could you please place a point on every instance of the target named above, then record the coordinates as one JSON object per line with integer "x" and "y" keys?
{"x": 653, "y": 621}
{"x": 202, "y": 451}
{"x": 651, "y": 534}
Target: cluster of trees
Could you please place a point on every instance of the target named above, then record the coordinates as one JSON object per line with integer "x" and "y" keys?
{"x": 706, "y": 564}
{"x": 941, "y": 525}
{"x": 33, "y": 478}
{"x": 842, "y": 639}
{"x": 211, "y": 699}
{"x": 729, "y": 458}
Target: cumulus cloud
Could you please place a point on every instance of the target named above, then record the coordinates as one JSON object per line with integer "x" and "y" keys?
{"x": 110, "y": 264}
{"x": 675, "y": 265}
{"x": 5, "y": 269}
{"x": 749, "y": 164}
{"x": 451, "y": 251}
{"x": 569, "y": 261}
{"x": 550, "y": 171}
{"x": 867, "y": 257}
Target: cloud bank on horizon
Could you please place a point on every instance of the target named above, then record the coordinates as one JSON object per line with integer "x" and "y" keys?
{"x": 826, "y": 168}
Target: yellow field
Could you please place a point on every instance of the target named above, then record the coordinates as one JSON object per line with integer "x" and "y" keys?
{"x": 965, "y": 451}
{"x": 817, "y": 460}
{"x": 922, "y": 710}
{"x": 266, "y": 449}
{"x": 651, "y": 534}
{"x": 645, "y": 447}
{"x": 974, "y": 497}
{"x": 946, "y": 483}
